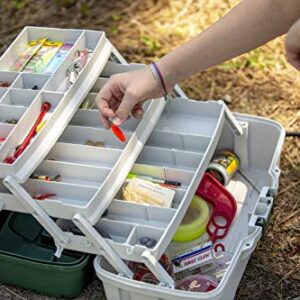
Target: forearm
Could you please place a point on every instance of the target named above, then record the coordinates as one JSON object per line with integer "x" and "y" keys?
{"x": 249, "y": 25}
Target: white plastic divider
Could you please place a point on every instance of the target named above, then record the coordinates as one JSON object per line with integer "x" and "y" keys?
{"x": 87, "y": 40}
{"x": 73, "y": 173}
{"x": 177, "y": 140}
{"x": 169, "y": 158}
{"x": 64, "y": 192}
{"x": 183, "y": 176}
{"x": 8, "y": 77}
{"x": 31, "y": 33}
{"x": 90, "y": 118}
{"x": 9, "y": 112}
{"x": 133, "y": 213}
{"x": 112, "y": 68}
{"x": 19, "y": 97}
{"x": 23, "y": 126}
{"x": 81, "y": 134}
{"x": 86, "y": 155}
{"x": 89, "y": 103}
{"x": 5, "y": 130}
{"x": 31, "y": 81}
{"x": 99, "y": 84}
{"x": 3, "y": 91}
{"x": 38, "y": 148}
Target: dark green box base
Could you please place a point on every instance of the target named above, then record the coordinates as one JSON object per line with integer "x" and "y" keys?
{"x": 27, "y": 259}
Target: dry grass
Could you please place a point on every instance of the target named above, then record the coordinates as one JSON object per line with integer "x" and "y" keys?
{"x": 258, "y": 83}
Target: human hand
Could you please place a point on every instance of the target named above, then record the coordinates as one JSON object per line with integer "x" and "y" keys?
{"x": 123, "y": 95}
{"x": 292, "y": 45}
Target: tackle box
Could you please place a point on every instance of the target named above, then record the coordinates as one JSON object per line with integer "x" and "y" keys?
{"x": 27, "y": 260}
{"x": 254, "y": 188}
{"x": 174, "y": 141}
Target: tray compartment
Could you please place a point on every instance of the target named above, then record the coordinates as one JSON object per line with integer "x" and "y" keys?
{"x": 5, "y": 130}
{"x": 81, "y": 154}
{"x": 33, "y": 33}
{"x": 79, "y": 135}
{"x": 19, "y": 97}
{"x": 90, "y": 118}
{"x": 118, "y": 231}
{"x": 89, "y": 103}
{"x": 8, "y": 112}
{"x": 65, "y": 192}
{"x": 8, "y": 77}
{"x": 112, "y": 68}
{"x": 24, "y": 125}
{"x": 180, "y": 192}
{"x": 177, "y": 140}
{"x": 59, "y": 81}
{"x": 3, "y": 91}
{"x": 158, "y": 217}
{"x": 182, "y": 176}
{"x": 51, "y": 97}
{"x": 144, "y": 231}
{"x": 28, "y": 81}
{"x": 169, "y": 158}
{"x": 196, "y": 118}
{"x": 101, "y": 81}
{"x": 73, "y": 173}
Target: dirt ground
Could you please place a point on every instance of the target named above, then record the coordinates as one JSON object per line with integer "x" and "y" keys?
{"x": 259, "y": 83}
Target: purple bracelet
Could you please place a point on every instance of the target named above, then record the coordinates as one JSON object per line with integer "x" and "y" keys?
{"x": 157, "y": 74}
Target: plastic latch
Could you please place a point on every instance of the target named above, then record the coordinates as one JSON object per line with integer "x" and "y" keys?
{"x": 59, "y": 250}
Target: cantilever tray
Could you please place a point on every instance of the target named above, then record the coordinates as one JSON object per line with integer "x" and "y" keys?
{"x": 23, "y": 104}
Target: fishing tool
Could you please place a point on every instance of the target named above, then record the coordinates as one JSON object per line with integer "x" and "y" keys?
{"x": 118, "y": 133}
{"x": 78, "y": 63}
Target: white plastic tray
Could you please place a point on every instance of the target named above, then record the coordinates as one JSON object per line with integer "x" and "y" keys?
{"x": 22, "y": 103}
{"x": 92, "y": 176}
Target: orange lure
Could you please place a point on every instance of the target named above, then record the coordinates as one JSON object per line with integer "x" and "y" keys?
{"x": 118, "y": 133}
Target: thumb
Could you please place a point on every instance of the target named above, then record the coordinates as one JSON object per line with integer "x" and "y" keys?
{"x": 128, "y": 102}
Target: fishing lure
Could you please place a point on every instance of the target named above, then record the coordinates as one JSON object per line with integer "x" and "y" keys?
{"x": 118, "y": 133}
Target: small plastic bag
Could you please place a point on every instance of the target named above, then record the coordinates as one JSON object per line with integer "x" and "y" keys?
{"x": 42, "y": 57}
{"x": 145, "y": 192}
{"x": 197, "y": 283}
{"x": 27, "y": 53}
{"x": 58, "y": 58}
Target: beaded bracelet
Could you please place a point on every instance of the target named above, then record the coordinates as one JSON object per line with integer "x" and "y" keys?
{"x": 158, "y": 76}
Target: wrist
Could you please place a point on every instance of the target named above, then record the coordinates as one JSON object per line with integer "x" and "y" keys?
{"x": 159, "y": 79}
{"x": 168, "y": 75}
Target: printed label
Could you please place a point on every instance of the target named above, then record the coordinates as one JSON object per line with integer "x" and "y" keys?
{"x": 192, "y": 258}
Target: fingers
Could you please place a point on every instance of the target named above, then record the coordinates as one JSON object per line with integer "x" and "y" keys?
{"x": 138, "y": 111}
{"x": 294, "y": 60}
{"x": 292, "y": 45}
{"x": 127, "y": 104}
{"x": 105, "y": 102}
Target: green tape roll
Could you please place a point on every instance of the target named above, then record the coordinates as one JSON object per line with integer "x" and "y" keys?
{"x": 192, "y": 230}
